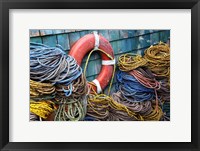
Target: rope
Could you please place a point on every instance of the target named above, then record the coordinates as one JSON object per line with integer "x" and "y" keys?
{"x": 42, "y": 109}
{"x": 73, "y": 107}
{"x": 70, "y": 110}
{"x": 131, "y": 89}
{"x": 101, "y": 107}
{"x": 120, "y": 107}
{"x": 86, "y": 64}
{"x": 154, "y": 115}
{"x": 164, "y": 91}
{"x": 137, "y": 107}
{"x": 166, "y": 111}
{"x": 98, "y": 106}
{"x": 77, "y": 88}
{"x": 52, "y": 65}
{"x": 158, "y": 58}
{"x": 147, "y": 79}
{"x": 41, "y": 91}
{"x": 59, "y": 76}
{"x": 128, "y": 62}
{"x": 138, "y": 88}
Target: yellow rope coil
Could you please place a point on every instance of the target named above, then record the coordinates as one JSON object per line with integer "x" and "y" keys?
{"x": 128, "y": 62}
{"x": 38, "y": 88}
{"x": 154, "y": 115}
{"x": 158, "y": 58}
{"x": 99, "y": 106}
{"x": 42, "y": 108}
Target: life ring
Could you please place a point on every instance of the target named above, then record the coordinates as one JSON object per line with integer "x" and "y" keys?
{"x": 88, "y": 43}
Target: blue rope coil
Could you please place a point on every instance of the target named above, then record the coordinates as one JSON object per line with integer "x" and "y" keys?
{"x": 53, "y": 65}
{"x": 131, "y": 89}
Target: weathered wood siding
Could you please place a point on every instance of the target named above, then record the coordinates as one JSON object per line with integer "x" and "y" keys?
{"x": 122, "y": 41}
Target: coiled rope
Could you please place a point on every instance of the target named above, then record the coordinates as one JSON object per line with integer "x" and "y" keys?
{"x": 138, "y": 87}
{"x": 147, "y": 79}
{"x": 54, "y": 71}
{"x": 158, "y": 58}
{"x": 131, "y": 88}
{"x": 154, "y": 115}
{"x": 41, "y": 91}
{"x": 166, "y": 111}
{"x": 73, "y": 107}
{"x": 129, "y": 61}
{"x": 52, "y": 65}
{"x": 137, "y": 107}
{"x": 42, "y": 108}
{"x": 101, "y": 107}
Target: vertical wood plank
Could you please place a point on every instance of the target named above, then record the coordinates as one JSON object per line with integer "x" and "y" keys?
{"x": 34, "y": 33}
{"x": 114, "y": 45}
{"x": 123, "y": 34}
{"x": 58, "y": 31}
{"x": 73, "y": 37}
{"x": 36, "y": 39}
{"x": 50, "y": 40}
{"x": 113, "y": 35}
{"x": 104, "y": 33}
{"x": 83, "y": 33}
{"x": 45, "y": 32}
{"x": 131, "y": 33}
{"x": 154, "y": 38}
{"x": 63, "y": 40}
{"x": 144, "y": 41}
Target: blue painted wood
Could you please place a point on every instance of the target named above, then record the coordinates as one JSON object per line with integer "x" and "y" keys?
{"x": 50, "y": 40}
{"x": 91, "y": 68}
{"x": 63, "y": 40}
{"x": 143, "y": 32}
{"x": 141, "y": 51}
{"x": 114, "y": 45}
{"x": 130, "y": 44}
{"x": 36, "y": 39}
{"x": 34, "y": 33}
{"x": 83, "y": 33}
{"x": 113, "y": 35}
{"x": 73, "y": 37}
{"x": 98, "y": 64}
{"x": 140, "y": 32}
{"x": 59, "y": 31}
{"x": 131, "y": 33}
{"x": 104, "y": 33}
{"x": 69, "y": 30}
{"x": 123, "y": 34}
{"x": 94, "y": 56}
{"x": 144, "y": 41}
{"x": 164, "y": 35}
{"x": 46, "y": 32}
{"x": 154, "y": 38}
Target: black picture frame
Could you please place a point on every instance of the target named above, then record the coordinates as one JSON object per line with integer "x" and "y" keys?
{"x": 6, "y": 5}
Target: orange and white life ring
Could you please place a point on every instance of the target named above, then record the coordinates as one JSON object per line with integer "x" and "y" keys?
{"x": 88, "y": 43}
